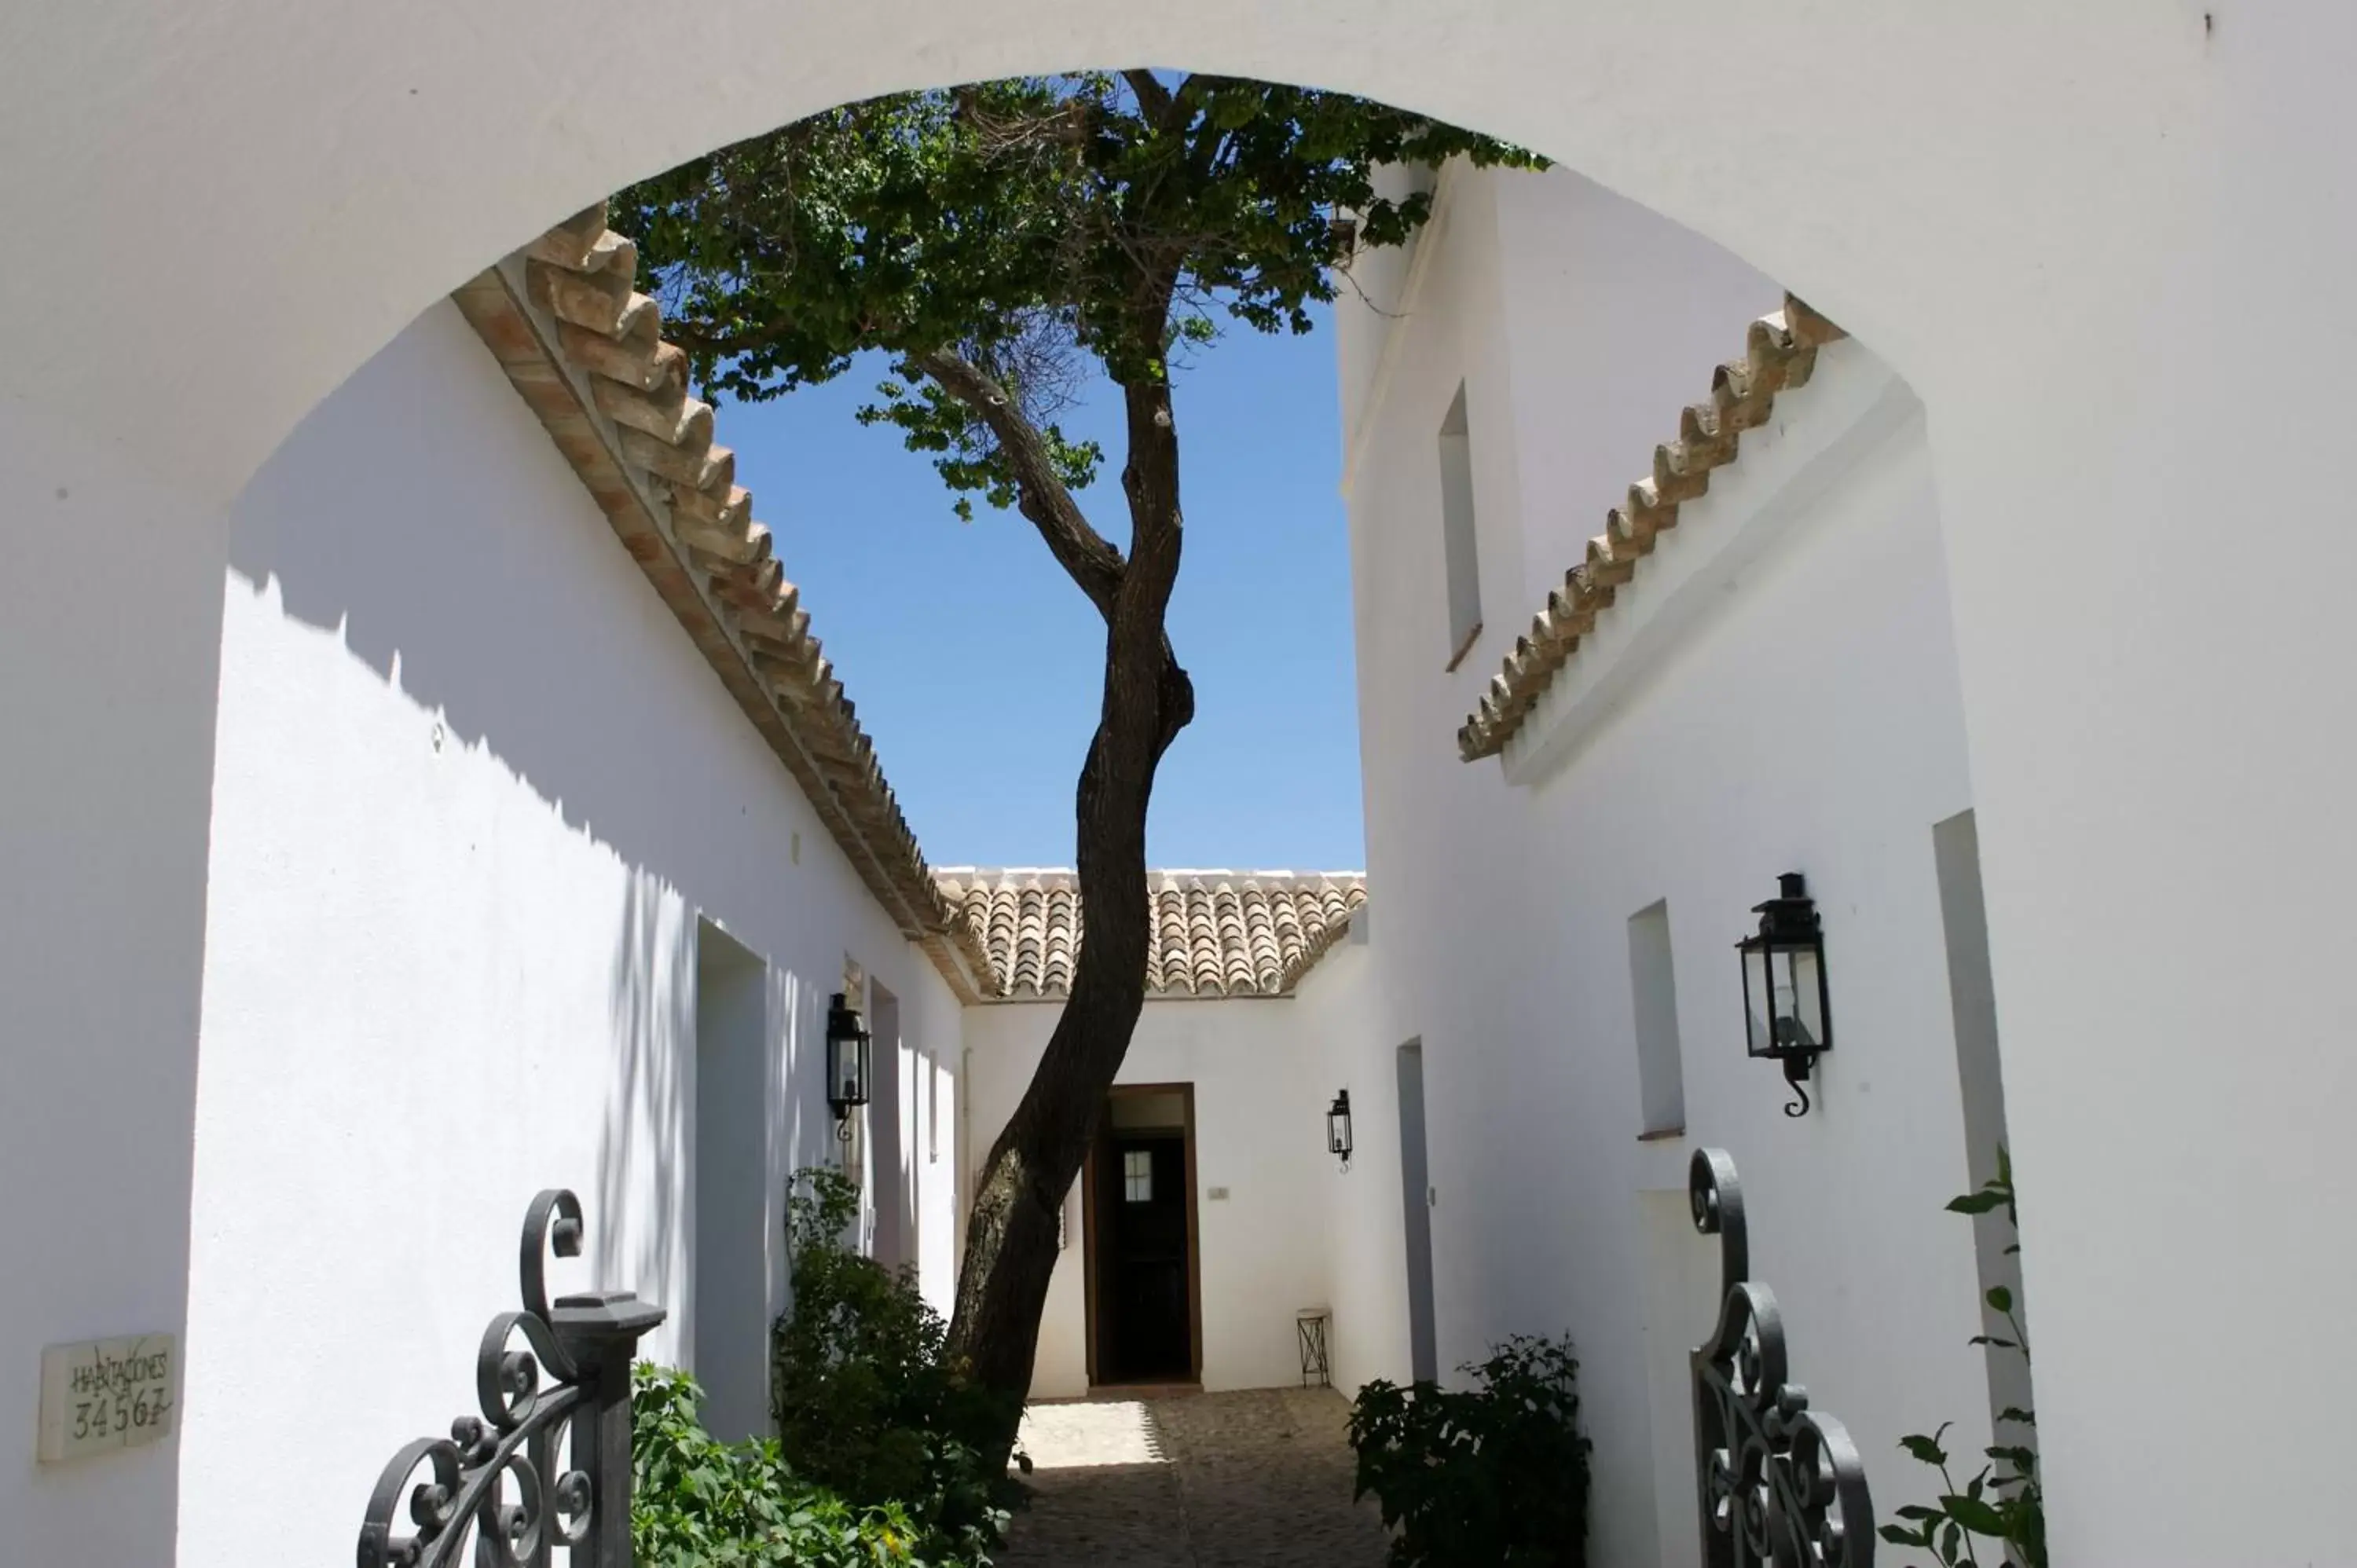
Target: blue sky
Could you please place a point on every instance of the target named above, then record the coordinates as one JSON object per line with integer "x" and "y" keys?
{"x": 976, "y": 663}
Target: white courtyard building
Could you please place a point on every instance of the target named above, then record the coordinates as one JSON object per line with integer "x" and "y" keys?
{"x": 419, "y": 785}
{"x": 543, "y": 840}
{"x": 1750, "y": 672}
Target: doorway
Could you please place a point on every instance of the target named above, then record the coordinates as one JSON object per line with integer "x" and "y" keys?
{"x": 888, "y": 1176}
{"x": 728, "y": 1291}
{"x": 1138, "y": 1224}
{"x": 1416, "y": 1203}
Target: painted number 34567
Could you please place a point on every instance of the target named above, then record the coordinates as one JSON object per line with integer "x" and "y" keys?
{"x": 121, "y": 1413}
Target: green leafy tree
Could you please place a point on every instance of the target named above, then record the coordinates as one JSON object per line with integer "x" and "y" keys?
{"x": 1002, "y": 244}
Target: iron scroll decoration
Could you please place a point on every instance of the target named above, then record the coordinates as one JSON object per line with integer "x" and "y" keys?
{"x": 1777, "y": 1484}
{"x": 497, "y": 1482}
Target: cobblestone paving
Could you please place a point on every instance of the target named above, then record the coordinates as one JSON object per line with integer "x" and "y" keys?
{"x": 1235, "y": 1480}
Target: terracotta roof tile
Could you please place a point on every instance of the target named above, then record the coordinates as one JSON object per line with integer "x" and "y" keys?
{"x": 1780, "y": 353}
{"x": 585, "y": 349}
{"x": 1216, "y": 933}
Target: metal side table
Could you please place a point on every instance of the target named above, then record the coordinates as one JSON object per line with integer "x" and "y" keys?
{"x": 1310, "y": 1324}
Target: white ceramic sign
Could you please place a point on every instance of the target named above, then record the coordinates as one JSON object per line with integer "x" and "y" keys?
{"x": 107, "y": 1394}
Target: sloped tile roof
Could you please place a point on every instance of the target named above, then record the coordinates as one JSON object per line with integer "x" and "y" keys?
{"x": 1780, "y": 353}
{"x": 585, "y": 349}
{"x": 1216, "y": 933}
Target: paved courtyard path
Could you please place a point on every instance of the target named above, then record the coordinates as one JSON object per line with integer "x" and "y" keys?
{"x": 1235, "y": 1480}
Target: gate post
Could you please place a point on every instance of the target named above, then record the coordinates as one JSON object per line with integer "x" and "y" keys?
{"x": 496, "y": 1481}
{"x": 601, "y": 1332}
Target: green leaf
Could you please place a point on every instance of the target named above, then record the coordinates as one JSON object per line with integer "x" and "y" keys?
{"x": 1925, "y": 1449}
{"x": 1980, "y": 1518}
{"x": 1982, "y": 1202}
{"x": 2000, "y": 1298}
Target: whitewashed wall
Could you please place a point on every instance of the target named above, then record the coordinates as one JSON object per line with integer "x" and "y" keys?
{"x": 934, "y": 1180}
{"x": 1805, "y": 716}
{"x": 1352, "y": 1021}
{"x": 105, "y": 774}
{"x": 475, "y": 789}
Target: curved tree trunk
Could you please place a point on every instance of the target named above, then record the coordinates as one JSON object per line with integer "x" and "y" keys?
{"x": 1011, "y": 1250}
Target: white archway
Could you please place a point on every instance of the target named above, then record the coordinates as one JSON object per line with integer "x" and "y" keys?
{"x": 2107, "y": 243}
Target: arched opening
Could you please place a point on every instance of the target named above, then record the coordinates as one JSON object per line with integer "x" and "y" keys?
{"x": 2006, "y": 206}
{"x": 1554, "y": 335}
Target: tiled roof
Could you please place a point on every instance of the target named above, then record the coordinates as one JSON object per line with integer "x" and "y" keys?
{"x": 586, "y": 350}
{"x": 1778, "y": 355}
{"x": 1216, "y": 933}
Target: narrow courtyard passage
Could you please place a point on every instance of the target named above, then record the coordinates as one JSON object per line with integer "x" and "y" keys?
{"x": 1193, "y": 1481}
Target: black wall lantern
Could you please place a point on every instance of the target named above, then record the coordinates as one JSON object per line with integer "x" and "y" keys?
{"x": 1787, "y": 1006}
{"x": 847, "y": 1054}
{"x": 1337, "y": 1128}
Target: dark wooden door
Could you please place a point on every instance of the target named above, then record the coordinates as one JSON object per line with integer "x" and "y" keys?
{"x": 1142, "y": 1330}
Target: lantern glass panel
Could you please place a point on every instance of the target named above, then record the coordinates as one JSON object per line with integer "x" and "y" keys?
{"x": 1760, "y": 1038}
{"x": 1801, "y": 1000}
{"x": 847, "y": 1067}
{"x": 1783, "y": 996}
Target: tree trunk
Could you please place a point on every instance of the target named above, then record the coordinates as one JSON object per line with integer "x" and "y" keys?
{"x": 1010, "y": 1250}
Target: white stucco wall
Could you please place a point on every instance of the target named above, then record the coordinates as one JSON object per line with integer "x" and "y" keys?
{"x": 106, "y": 780}
{"x": 476, "y": 788}
{"x": 934, "y": 1180}
{"x": 2067, "y": 225}
{"x": 1805, "y": 716}
{"x": 1351, "y": 1020}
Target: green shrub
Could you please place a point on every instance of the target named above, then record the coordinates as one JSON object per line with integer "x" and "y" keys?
{"x": 865, "y": 1400}
{"x": 1491, "y": 1477}
{"x": 702, "y": 1503}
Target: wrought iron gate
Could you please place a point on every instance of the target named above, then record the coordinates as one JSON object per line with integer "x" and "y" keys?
{"x": 1777, "y": 1483}
{"x": 547, "y": 1465}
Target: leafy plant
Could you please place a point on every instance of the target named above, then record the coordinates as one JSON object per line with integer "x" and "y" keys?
{"x": 702, "y": 1503}
{"x": 1490, "y": 1477}
{"x": 865, "y": 1398}
{"x": 2004, "y": 1502}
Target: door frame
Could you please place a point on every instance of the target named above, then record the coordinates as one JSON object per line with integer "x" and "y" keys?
{"x": 1186, "y": 1092}
{"x": 1415, "y": 1211}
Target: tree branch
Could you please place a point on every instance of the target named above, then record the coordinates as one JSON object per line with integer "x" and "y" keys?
{"x": 1154, "y": 100}
{"x": 1087, "y": 556}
